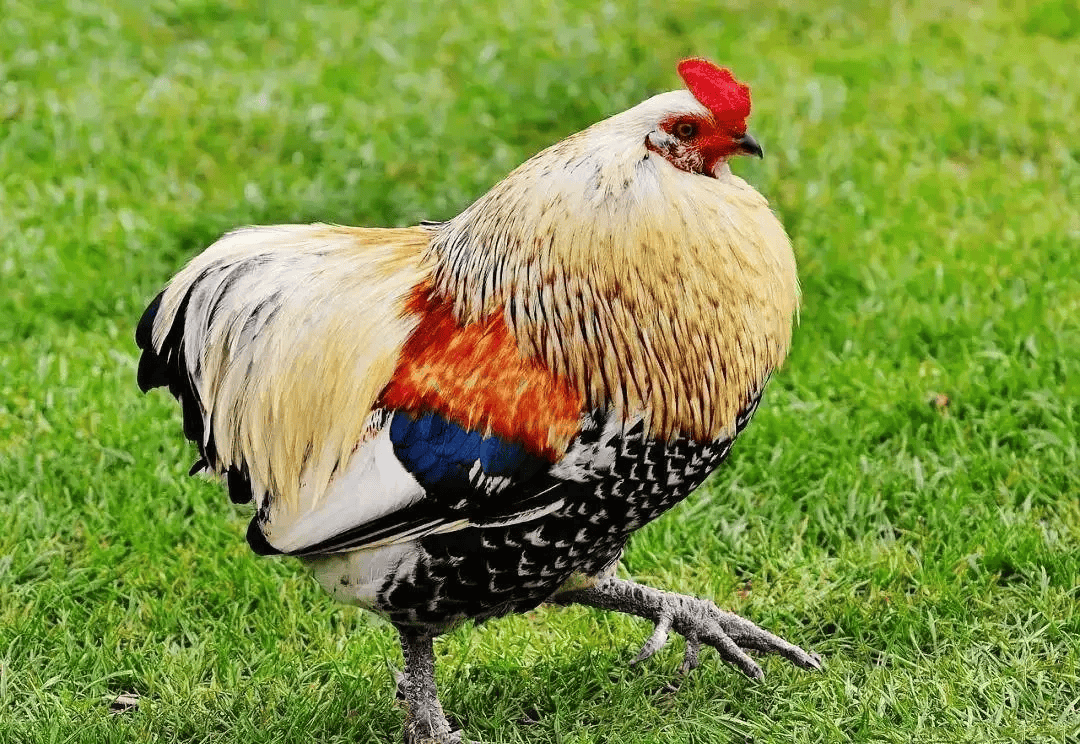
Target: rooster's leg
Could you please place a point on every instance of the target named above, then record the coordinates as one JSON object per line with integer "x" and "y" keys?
{"x": 425, "y": 722}
{"x": 698, "y": 620}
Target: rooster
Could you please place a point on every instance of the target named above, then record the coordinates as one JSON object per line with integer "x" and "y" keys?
{"x": 469, "y": 418}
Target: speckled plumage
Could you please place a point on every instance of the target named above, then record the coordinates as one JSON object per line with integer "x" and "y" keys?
{"x": 491, "y": 568}
{"x": 465, "y": 419}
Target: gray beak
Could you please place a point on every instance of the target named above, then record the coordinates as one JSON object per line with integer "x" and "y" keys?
{"x": 750, "y": 146}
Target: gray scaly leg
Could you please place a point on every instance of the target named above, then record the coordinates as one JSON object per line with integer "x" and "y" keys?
{"x": 425, "y": 722}
{"x": 698, "y": 620}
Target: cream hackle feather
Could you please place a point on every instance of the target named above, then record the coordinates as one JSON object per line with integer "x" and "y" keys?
{"x": 290, "y": 335}
{"x": 647, "y": 287}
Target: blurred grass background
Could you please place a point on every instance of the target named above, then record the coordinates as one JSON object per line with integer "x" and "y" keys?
{"x": 924, "y": 158}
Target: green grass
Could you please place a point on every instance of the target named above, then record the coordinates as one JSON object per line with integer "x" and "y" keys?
{"x": 925, "y": 160}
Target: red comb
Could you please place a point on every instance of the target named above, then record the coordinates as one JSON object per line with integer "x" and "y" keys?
{"x": 717, "y": 90}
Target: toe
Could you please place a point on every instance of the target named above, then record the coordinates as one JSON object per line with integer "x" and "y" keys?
{"x": 730, "y": 652}
{"x": 748, "y": 635}
{"x": 656, "y": 641}
{"x": 691, "y": 658}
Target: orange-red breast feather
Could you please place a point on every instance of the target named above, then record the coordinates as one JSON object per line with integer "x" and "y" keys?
{"x": 475, "y": 375}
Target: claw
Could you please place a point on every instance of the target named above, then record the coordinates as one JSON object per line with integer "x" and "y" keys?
{"x": 656, "y": 641}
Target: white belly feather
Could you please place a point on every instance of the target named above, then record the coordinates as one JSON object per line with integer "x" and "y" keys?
{"x": 355, "y": 577}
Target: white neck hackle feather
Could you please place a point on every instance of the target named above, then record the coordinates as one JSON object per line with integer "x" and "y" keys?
{"x": 649, "y": 288}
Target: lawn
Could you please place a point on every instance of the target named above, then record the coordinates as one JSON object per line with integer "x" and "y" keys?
{"x": 906, "y": 503}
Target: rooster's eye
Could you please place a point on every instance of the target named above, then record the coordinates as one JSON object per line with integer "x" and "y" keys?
{"x": 684, "y": 130}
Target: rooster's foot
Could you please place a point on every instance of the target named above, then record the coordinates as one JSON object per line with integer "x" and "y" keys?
{"x": 425, "y": 722}
{"x": 699, "y": 621}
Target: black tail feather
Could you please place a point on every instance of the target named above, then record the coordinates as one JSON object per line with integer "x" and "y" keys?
{"x": 144, "y": 332}
{"x": 167, "y": 366}
{"x": 152, "y": 369}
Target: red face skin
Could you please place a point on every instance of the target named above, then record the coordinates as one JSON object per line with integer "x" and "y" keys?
{"x": 696, "y": 144}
